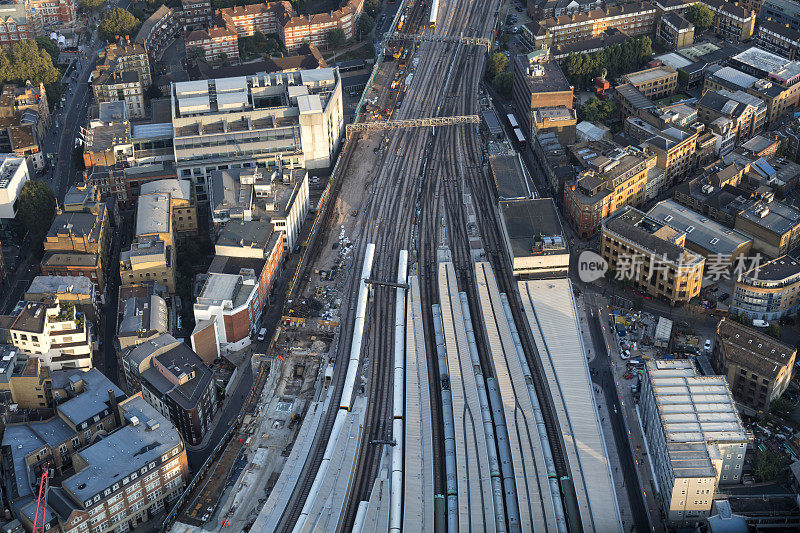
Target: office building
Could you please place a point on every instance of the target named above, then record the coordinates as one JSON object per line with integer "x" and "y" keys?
{"x": 278, "y": 197}
{"x": 123, "y": 74}
{"x": 675, "y": 31}
{"x": 175, "y": 381}
{"x": 13, "y": 175}
{"x": 79, "y": 291}
{"x": 768, "y": 291}
{"x": 152, "y": 254}
{"x": 182, "y": 205}
{"x": 758, "y": 366}
{"x": 534, "y": 238}
{"x": 632, "y": 19}
{"x": 278, "y": 120}
{"x": 24, "y": 381}
{"x": 674, "y": 146}
{"x": 695, "y": 438}
{"x": 538, "y": 83}
{"x": 706, "y": 237}
{"x": 144, "y": 315}
{"x": 746, "y": 114}
{"x": 774, "y": 227}
{"x": 654, "y": 83}
{"x": 240, "y": 282}
{"x": 613, "y": 177}
{"x": 56, "y": 333}
{"x": 652, "y": 255}
{"x": 79, "y": 236}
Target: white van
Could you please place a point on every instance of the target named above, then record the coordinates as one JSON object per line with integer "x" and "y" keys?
{"x": 262, "y": 334}
{"x": 760, "y": 323}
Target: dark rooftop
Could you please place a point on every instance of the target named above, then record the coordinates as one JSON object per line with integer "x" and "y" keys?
{"x": 753, "y": 349}
{"x": 180, "y": 359}
{"x": 533, "y": 224}
{"x": 509, "y": 178}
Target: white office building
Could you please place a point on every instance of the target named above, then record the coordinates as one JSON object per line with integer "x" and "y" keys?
{"x": 278, "y": 120}
{"x": 695, "y": 437}
{"x": 13, "y": 175}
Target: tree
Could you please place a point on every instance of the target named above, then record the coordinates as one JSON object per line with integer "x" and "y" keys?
{"x": 502, "y": 83}
{"x": 781, "y": 407}
{"x": 336, "y": 38}
{"x": 196, "y": 53}
{"x": 37, "y": 207}
{"x": 700, "y": 16}
{"x": 372, "y": 7}
{"x": 50, "y": 46}
{"x": 89, "y": 5}
{"x": 365, "y": 24}
{"x": 683, "y": 78}
{"x": 25, "y": 61}
{"x": 118, "y": 23}
{"x": 597, "y": 110}
{"x": 767, "y": 465}
{"x": 497, "y": 63}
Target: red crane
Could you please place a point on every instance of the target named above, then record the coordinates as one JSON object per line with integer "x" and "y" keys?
{"x": 41, "y": 505}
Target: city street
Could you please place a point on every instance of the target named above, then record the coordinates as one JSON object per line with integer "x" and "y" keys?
{"x": 604, "y": 377}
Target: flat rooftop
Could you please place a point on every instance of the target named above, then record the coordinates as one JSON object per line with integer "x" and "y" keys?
{"x": 60, "y": 285}
{"x": 650, "y": 74}
{"x": 694, "y": 408}
{"x": 774, "y": 216}
{"x": 533, "y": 227}
{"x": 509, "y": 178}
{"x": 703, "y": 232}
{"x": 779, "y": 269}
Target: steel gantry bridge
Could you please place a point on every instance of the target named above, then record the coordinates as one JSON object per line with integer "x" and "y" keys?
{"x": 412, "y": 123}
{"x": 416, "y": 37}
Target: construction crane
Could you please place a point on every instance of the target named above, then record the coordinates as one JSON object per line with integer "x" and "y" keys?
{"x": 39, "y": 519}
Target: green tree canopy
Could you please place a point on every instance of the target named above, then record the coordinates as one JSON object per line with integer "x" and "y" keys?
{"x": 88, "y": 5}
{"x": 581, "y": 69}
{"x": 118, "y": 23}
{"x": 25, "y": 61}
{"x": 336, "y": 38}
{"x": 700, "y": 16}
{"x": 781, "y": 407}
{"x": 50, "y": 46}
{"x": 372, "y": 7}
{"x": 597, "y": 110}
{"x": 365, "y": 24}
{"x": 37, "y": 207}
{"x": 496, "y": 64}
{"x": 502, "y": 83}
{"x": 767, "y": 465}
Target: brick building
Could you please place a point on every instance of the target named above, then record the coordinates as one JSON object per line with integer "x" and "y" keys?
{"x": 538, "y": 83}
{"x": 634, "y": 19}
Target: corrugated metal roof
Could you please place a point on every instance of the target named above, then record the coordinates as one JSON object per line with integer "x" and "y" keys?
{"x": 550, "y": 309}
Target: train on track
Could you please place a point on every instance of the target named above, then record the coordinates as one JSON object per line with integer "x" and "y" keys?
{"x": 434, "y": 12}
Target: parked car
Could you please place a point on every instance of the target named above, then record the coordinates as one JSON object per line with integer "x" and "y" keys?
{"x": 760, "y": 323}
{"x": 262, "y": 334}
{"x": 724, "y": 296}
{"x": 707, "y": 345}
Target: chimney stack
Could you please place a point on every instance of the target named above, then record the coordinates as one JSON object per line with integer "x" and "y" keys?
{"x": 112, "y": 401}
